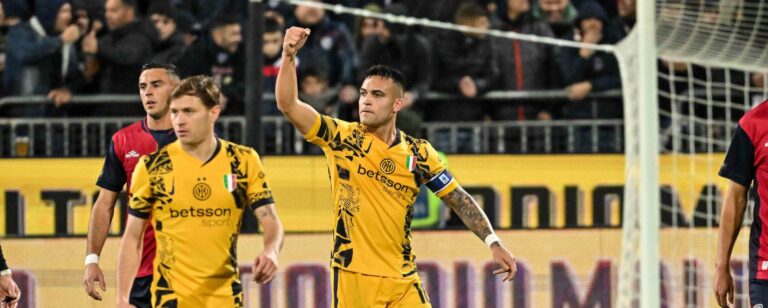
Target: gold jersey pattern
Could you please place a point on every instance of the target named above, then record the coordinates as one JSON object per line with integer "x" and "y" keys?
{"x": 374, "y": 186}
{"x": 196, "y": 209}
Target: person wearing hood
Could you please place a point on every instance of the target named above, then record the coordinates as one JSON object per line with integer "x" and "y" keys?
{"x": 586, "y": 70}
{"x": 122, "y": 51}
{"x": 172, "y": 44}
{"x": 42, "y": 59}
{"x": 221, "y": 56}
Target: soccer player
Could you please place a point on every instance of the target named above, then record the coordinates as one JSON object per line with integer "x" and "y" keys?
{"x": 9, "y": 291}
{"x": 744, "y": 164}
{"x": 128, "y": 144}
{"x": 195, "y": 191}
{"x": 376, "y": 172}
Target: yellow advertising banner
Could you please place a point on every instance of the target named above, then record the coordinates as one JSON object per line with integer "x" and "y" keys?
{"x": 556, "y": 268}
{"x": 55, "y": 196}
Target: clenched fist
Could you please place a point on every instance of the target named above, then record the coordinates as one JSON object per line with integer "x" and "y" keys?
{"x": 295, "y": 38}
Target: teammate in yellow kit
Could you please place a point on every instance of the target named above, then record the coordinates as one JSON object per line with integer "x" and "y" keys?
{"x": 195, "y": 191}
{"x": 376, "y": 171}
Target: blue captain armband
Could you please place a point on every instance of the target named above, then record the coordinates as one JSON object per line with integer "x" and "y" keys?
{"x": 440, "y": 181}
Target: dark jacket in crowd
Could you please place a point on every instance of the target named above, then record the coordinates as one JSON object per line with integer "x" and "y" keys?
{"x": 331, "y": 49}
{"x": 458, "y": 55}
{"x": 535, "y": 63}
{"x": 35, "y": 56}
{"x": 121, "y": 54}
{"x": 601, "y": 69}
{"x": 204, "y": 57}
{"x": 172, "y": 49}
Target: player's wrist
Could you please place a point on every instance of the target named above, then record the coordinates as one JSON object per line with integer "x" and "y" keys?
{"x": 91, "y": 258}
{"x": 6, "y": 272}
{"x": 492, "y": 240}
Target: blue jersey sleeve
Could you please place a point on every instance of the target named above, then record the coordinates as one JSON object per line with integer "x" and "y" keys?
{"x": 739, "y": 164}
{"x": 112, "y": 175}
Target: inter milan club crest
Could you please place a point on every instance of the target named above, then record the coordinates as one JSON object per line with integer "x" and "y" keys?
{"x": 201, "y": 191}
{"x": 410, "y": 162}
{"x": 230, "y": 182}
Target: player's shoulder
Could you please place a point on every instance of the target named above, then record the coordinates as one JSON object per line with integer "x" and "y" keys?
{"x": 158, "y": 159}
{"x": 754, "y": 121}
{"x": 416, "y": 143}
{"x": 130, "y": 134}
{"x": 233, "y": 149}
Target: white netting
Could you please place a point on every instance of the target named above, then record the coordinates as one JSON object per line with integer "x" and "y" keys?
{"x": 712, "y": 61}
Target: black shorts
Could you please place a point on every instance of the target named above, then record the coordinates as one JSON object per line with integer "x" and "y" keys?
{"x": 758, "y": 293}
{"x": 140, "y": 292}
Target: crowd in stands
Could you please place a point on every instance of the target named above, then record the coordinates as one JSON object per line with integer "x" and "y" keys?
{"x": 62, "y": 48}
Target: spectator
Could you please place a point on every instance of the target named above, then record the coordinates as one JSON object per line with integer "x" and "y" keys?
{"x": 314, "y": 91}
{"x": 558, "y": 13}
{"x": 465, "y": 64}
{"x": 41, "y": 59}
{"x": 330, "y": 48}
{"x": 172, "y": 43}
{"x": 189, "y": 27}
{"x": 13, "y": 12}
{"x": 586, "y": 70}
{"x": 627, "y": 16}
{"x": 526, "y": 66}
{"x": 366, "y": 26}
{"x": 220, "y": 55}
{"x": 122, "y": 51}
{"x": 399, "y": 47}
{"x": 272, "y": 55}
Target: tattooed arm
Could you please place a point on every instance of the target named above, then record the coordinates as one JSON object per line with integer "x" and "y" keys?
{"x": 265, "y": 266}
{"x": 474, "y": 218}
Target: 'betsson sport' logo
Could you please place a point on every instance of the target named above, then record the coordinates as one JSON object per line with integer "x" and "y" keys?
{"x": 210, "y": 217}
{"x": 383, "y": 179}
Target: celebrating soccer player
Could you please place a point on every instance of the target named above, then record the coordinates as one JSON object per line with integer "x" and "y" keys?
{"x": 195, "y": 191}
{"x": 376, "y": 171}
{"x": 745, "y": 163}
{"x": 128, "y": 144}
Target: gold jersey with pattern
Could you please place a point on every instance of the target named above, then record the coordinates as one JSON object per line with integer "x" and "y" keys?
{"x": 196, "y": 209}
{"x": 374, "y": 187}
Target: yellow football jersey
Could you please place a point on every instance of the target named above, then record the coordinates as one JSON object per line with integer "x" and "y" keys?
{"x": 374, "y": 188}
{"x": 196, "y": 208}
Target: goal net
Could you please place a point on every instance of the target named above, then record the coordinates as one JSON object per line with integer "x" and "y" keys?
{"x": 711, "y": 70}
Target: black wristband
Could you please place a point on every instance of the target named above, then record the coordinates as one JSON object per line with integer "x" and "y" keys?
{"x": 3, "y": 265}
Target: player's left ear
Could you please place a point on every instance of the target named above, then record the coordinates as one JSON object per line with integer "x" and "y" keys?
{"x": 215, "y": 112}
{"x": 399, "y": 104}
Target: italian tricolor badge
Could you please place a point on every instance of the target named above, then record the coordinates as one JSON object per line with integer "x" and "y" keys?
{"x": 230, "y": 182}
{"x": 410, "y": 162}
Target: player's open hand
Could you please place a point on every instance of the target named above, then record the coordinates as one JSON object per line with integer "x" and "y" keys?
{"x": 265, "y": 267}
{"x": 724, "y": 287}
{"x": 505, "y": 260}
{"x": 295, "y": 38}
{"x": 92, "y": 275}
{"x": 9, "y": 292}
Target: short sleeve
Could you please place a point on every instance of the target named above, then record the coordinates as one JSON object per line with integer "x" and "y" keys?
{"x": 739, "y": 164}
{"x": 439, "y": 180}
{"x": 259, "y": 193}
{"x": 112, "y": 175}
{"x": 323, "y": 130}
{"x": 142, "y": 198}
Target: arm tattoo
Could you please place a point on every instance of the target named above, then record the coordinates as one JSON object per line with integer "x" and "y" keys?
{"x": 264, "y": 212}
{"x": 469, "y": 211}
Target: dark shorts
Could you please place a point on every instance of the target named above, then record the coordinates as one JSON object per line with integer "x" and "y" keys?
{"x": 758, "y": 293}
{"x": 140, "y": 292}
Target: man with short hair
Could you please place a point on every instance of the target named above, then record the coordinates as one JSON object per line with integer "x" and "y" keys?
{"x": 156, "y": 82}
{"x": 196, "y": 191}
{"x": 376, "y": 171}
{"x": 220, "y": 56}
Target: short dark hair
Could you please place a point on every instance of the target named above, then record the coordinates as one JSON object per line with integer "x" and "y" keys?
{"x": 271, "y": 25}
{"x": 469, "y": 11}
{"x": 169, "y": 68}
{"x": 223, "y": 20}
{"x": 199, "y": 86}
{"x": 163, "y": 8}
{"x": 384, "y": 71}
